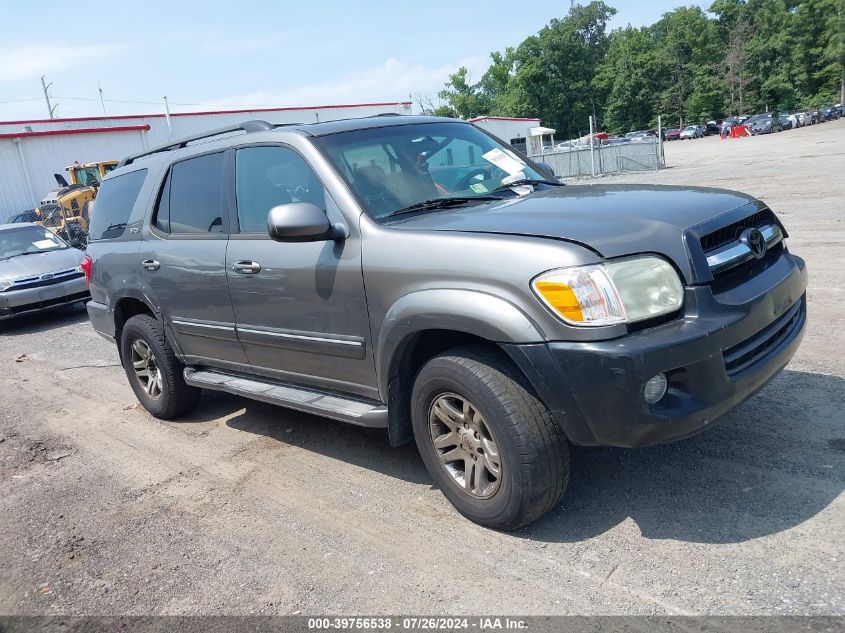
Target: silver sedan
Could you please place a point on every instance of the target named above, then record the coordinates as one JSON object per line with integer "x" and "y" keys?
{"x": 38, "y": 271}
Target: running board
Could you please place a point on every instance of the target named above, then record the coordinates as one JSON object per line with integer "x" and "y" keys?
{"x": 333, "y": 406}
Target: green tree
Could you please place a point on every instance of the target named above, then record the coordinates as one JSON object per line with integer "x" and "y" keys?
{"x": 464, "y": 98}
{"x": 554, "y": 71}
{"x": 631, "y": 77}
{"x": 818, "y": 48}
{"x": 690, "y": 51}
{"x": 770, "y": 52}
{"x": 689, "y": 67}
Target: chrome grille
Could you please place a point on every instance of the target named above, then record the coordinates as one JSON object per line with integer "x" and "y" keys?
{"x": 46, "y": 279}
{"x": 736, "y": 253}
{"x": 730, "y": 233}
{"x": 726, "y": 252}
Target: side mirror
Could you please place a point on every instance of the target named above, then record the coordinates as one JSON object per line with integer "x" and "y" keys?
{"x": 547, "y": 169}
{"x": 302, "y": 222}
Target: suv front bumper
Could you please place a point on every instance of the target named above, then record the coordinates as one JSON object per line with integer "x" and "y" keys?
{"x": 719, "y": 354}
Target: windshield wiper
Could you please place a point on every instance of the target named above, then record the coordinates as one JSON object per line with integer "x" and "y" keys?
{"x": 30, "y": 253}
{"x": 527, "y": 181}
{"x": 439, "y": 203}
{"x": 19, "y": 255}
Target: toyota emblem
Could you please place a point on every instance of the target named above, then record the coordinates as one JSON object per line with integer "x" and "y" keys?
{"x": 755, "y": 241}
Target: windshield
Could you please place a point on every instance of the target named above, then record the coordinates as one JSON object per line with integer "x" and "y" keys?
{"x": 391, "y": 168}
{"x": 88, "y": 176}
{"x": 52, "y": 215}
{"x": 28, "y": 239}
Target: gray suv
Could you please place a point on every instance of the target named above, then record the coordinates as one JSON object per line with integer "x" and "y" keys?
{"x": 419, "y": 275}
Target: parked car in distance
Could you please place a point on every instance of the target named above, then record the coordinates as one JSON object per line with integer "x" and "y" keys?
{"x": 831, "y": 113}
{"x": 293, "y": 265}
{"x": 765, "y": 123}
{"x": 785, "y": 122}
{"x": 692, "y": 132}
{"x": 712, "y": 128}
{"x": 27, "y": 216}
{"x": 38, "y": 271}
{"x": 671, "y": 134}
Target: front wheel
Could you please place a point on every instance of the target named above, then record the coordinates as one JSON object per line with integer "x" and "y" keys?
{"x": 154, "y": 372}
{"x": 487, "y": 441}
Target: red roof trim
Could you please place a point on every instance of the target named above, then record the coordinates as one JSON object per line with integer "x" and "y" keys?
{"x": 90, "y": 130}
{"x": 498, "y": 118}
{"x": 175, "y": 114}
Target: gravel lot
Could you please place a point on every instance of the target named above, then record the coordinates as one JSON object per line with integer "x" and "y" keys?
{"x": 248, "y": 509}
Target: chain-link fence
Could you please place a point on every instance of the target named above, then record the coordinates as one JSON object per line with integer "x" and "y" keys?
{"x": 641, "y": 155}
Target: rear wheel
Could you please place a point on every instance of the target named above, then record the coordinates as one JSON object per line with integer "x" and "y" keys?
{"x": 154, "y": 372}
{"x": 489, "y": 444}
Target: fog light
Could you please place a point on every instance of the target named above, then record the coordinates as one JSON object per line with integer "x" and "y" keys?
{"x": 655, "y": 388}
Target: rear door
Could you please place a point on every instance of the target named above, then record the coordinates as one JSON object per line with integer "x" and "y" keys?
{"x": 183, "y": 258}
{"x": 300, "y": 307}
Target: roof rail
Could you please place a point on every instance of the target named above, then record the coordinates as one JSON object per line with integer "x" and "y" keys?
{"x": 246, "y": 126}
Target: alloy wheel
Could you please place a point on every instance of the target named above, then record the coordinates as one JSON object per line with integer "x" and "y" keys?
{"x": 465, "y": 445}
{"x": 146, "y": 370}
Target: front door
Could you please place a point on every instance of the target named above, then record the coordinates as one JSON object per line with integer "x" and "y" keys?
{"x": 183, "y": 258}
{"x": 300, "y": 308}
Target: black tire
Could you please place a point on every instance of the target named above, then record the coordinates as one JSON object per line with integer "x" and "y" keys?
{"x": 175, "y": 397}
{"x": 533, "y": 451}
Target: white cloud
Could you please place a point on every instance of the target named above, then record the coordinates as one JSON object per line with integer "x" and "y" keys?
{"x": 30, "y": 61}
{"x": 394, "y": 80}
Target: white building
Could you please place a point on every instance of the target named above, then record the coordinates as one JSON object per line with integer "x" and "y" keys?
{"x": 525, "y": 135}
{"x": 32, "y": 151}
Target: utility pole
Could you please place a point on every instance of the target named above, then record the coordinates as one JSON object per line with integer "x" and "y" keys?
{"x": 45, "y": 86}
{"x": 167, "y": 118}
{"x": 102, "y": 103}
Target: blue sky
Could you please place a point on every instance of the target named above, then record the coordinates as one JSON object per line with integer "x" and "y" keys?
{"x": 226, "y": 54}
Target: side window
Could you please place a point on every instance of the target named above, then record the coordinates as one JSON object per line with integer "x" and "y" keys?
{"x": 113, "y": 206}
{"x": 195, "y": 201}
{"x": 270, "y": 176}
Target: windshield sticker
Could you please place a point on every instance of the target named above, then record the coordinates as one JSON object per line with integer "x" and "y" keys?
{"x": 477, "y": 187}
{"x": 504, "y": 162}
{"x": 44, "y": 244}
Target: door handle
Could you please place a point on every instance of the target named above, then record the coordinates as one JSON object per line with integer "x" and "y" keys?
{"x": 150, "y": 264}
{"x": 246, "y": 267}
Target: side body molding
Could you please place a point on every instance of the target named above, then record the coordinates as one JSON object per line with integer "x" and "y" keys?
{"x": 469, "y": 311}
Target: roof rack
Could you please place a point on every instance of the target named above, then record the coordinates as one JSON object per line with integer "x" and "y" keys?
{"x": 246, "y": 126}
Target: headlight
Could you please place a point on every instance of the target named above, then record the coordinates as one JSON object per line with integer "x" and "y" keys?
{"x": 619, "y": 291}
{"x": 5, "y": 283}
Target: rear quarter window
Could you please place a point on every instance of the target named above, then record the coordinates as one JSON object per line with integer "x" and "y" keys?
{"x": 113, "y": 205}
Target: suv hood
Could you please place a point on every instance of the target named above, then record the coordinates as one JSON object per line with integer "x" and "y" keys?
{"x": 611, "y": 220}
{"x": 40, "y": 263}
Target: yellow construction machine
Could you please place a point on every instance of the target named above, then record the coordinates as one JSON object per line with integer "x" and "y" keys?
{"x": 65, "y": 211}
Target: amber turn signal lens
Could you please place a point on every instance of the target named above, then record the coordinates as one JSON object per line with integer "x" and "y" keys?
{"x": 560, "y": 297}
